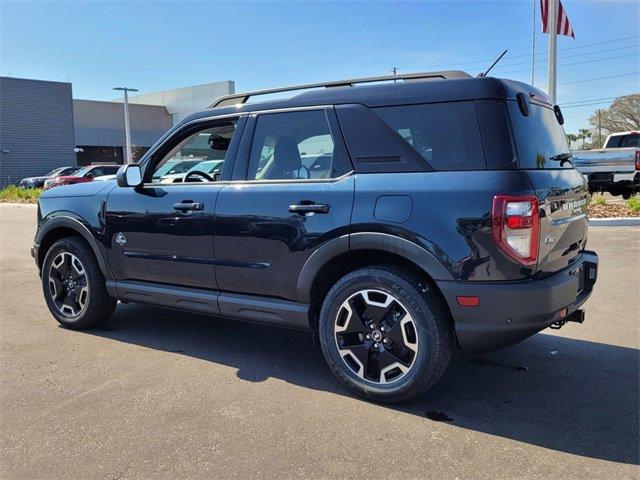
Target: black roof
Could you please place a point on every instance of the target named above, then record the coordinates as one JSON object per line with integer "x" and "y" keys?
{"x": 386, "y": 94}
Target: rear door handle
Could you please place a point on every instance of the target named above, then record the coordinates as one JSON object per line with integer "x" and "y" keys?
{"x": 308, "y": 208}
{"x": 188, "y": 205}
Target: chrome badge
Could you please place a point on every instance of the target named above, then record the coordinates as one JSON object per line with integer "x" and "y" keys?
{"x": 549, "y": 239}
{"x": 120, "y": 239}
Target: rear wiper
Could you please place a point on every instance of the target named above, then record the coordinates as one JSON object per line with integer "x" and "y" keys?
{"x": 562, "y": 158}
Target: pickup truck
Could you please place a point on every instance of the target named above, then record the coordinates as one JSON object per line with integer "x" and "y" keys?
{"x": 615, "y": 168}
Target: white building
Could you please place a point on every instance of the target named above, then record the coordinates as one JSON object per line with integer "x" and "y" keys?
{"x": 180, "y": 102}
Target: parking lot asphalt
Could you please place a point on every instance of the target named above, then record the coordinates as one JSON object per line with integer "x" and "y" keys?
{"x": 163, "y": 394}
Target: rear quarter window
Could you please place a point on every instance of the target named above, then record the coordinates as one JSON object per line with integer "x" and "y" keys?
{"x": 446, "y": 135}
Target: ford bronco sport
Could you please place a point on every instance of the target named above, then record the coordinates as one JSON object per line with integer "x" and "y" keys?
{"x": 397, "y": 218}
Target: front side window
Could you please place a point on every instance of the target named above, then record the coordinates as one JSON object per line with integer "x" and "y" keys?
{"x": 292, "y": 146}
{"x": 446, "y": 135}
{"x": 192, "y": 159}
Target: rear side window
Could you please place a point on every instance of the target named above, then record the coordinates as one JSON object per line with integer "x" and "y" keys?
{"x": 292, "y": 146}
{"x": 446, "y": 135}
{"x": 540, "y": 139}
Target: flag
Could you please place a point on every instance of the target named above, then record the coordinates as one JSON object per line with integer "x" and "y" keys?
{"x": 563, "y": 27}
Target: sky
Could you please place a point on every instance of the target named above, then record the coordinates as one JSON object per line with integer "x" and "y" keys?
{"x": 162, "y": 45}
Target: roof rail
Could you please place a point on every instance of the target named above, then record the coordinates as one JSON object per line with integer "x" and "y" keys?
{"x": 240, "y": 98}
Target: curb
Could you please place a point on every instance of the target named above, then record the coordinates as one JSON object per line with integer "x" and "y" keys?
{"x": 614, "y": 222}
{"x": 25, "y": 205}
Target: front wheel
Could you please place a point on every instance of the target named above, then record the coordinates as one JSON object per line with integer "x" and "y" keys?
{"x": 73, "y": 285}
{"x": 385, "y": 334}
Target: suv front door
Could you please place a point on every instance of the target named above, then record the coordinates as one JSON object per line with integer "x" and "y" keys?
{"x": 162, "y": 231}
{"x": 291, "y": 193}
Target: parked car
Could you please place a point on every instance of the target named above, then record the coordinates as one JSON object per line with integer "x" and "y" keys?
{"x": 105, "y": 178}
{"x": 85, "y": 174}
{"x": 209, "y": 170}
{"x": 437, "y": 213}
{"x": 38, "y": 182}
{"x": 615, "y": 168}
{"x": 175, "y": 169}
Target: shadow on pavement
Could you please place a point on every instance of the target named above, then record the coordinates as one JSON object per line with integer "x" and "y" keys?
{"x": 567, "y": 395}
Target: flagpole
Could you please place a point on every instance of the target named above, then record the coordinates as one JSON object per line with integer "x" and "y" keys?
{"x": 533, "y": 42}
{"x": 552, "y": 29}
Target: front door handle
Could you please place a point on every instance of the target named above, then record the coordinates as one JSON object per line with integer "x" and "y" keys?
{"x": 188, "y": 205}
{"x": 308, "y": 208}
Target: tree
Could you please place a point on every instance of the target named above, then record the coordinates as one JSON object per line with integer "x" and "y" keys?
{"x": 584, "y": 134}
{"x": 571, "y": 137}
{"x": 621, "y": 116}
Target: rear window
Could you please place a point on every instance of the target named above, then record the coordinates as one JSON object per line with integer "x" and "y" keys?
{"x": 445, "y": 134}
{"x": 624, "y": 141}
{"x": 540, "y": 139}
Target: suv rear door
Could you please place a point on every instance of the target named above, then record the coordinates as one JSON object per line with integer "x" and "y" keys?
{"x": 291, "y": 193}
{"x": 544, "y": 153}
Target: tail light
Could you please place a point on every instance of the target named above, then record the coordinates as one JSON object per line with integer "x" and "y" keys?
{"x": 637, "y": 159}
{"x": 515, "y": 226}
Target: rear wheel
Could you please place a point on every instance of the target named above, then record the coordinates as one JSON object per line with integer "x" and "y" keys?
{"x": 73, "y": 285}
{"x": 385, "y": 334}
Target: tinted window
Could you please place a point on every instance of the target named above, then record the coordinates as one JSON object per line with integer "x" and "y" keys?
{"x": 292, "y": 145}
{"x": 632, "y": 140}
{"x": 110, "y": 170}
{"x": 614, "y": 141}
{"x": 496, "y": 135}
{"x": 540, "y": 139}
{"x": 445, "y": 134}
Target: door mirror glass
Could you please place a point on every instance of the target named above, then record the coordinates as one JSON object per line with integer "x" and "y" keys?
{"x": 129, "y": 176}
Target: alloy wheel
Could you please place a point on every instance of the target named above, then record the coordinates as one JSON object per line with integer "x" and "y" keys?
{"x": 68, "y": 284}
{"x": 376, "y": 336}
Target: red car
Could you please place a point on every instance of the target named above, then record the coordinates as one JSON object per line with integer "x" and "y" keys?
{"x": 85, "y": 174}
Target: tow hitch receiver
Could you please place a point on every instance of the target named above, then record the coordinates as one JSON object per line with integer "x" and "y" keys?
{"x": 577, "y": 316}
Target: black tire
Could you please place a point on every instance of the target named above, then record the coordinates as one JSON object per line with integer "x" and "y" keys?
{"x": 431, "y": 326}
{"x": 98, "y": 305}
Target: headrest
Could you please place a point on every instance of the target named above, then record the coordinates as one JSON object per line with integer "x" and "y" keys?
{"x": 286, "y": 154}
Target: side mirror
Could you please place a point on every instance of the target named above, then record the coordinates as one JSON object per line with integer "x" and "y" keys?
{"x": 129, "y": 176}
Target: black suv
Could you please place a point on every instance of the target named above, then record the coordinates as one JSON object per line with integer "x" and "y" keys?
{"x": 396, "y": 218}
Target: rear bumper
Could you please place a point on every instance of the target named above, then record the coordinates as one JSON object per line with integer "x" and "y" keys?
{"x": 512, "y": 311}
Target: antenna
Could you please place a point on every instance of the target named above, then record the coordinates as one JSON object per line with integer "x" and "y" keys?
{"x": 492, "y": 65}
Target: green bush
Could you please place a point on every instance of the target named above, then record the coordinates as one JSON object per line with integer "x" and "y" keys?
{"x": 599, "y": 200}
{"x": 634, "y": 204}
{"x": 19, "y": 195}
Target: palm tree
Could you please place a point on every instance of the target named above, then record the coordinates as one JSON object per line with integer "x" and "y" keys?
{"x": 584, "y": 134}
{"x": 571, "y": 137}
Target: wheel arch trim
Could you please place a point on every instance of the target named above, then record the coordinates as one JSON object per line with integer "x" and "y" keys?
{"x": 383, "y": 242}
{"x": 71, "y": 221}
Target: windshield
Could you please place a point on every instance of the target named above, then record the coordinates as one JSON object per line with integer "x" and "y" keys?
{"x": 82, "y": 172}
{"x": 540, "y": 139}
{"x": 54, "y": 172}
{"x": 208, "y": 167}
{"x": 66, "y": 171}
{"x": 175, "y": 167}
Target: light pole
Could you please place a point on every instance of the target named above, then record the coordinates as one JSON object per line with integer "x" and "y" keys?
{"x": 553, "y": 30}
{"x": 127, "y": 128}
